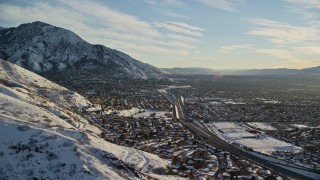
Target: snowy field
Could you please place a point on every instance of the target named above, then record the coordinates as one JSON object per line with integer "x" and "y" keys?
{"x": 137, "y": 113}
{"x": 262, "y": 126}
{"x": 266, "y": 144}
{"x": 235, "y": 133}
{"x": 124, "y": 113}
{"x": 148, "y": 113}
{"x": 164, "y": 90}
{"x": 226, "y": 125}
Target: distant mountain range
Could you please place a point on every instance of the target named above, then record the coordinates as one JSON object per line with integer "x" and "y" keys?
{"x": 41, "y": 47}
{"x": 191, "y": 70}
{"x": 207, "y": 71}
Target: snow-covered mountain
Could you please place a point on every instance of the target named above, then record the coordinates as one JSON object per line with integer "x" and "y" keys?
{"x": 43, "y": 135}
{"x": 41, "y": 47}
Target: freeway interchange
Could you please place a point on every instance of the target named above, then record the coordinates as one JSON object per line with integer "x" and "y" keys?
{"x": 211, "y": 138}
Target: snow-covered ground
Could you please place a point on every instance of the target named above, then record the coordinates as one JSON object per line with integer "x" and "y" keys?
{"x": 300, "y": 126}
{"x": 300, "y": 171}
{"x": 148, "y": 113}
{"x": 262, "y": 126}
{"x": 164, "y": 90}
{"x": 286, "y": 165}
{"x": 42, "y": 134}
{"x": 137, "y": 113}
{"x": 262, "y": 143}
{"x": 124, "y": 113}
{"x": 226, "y": 125}
{"x": 266, "y": 144}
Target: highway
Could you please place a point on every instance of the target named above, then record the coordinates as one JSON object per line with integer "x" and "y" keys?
{"x": 217, "y": 142}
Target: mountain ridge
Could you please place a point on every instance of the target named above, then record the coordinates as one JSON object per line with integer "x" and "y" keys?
{"x": 208, "y": 71}
{"x": 42, "y": 47}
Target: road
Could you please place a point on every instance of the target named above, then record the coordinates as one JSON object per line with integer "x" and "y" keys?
{"x": 217, "y": 142}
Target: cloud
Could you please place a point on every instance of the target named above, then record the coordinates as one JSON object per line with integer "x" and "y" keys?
{"x": 281, "y": 33}
{"x": 306, "y": 3}
{"x": 172, "y": 2}
{"x": 178, "y": 3}
{"x": 288, "y": 59}
{"x": 182, "y": 28}
{"x": 149, "y": 50}
{"x": 119, "y": 21}
{"x": 227, "y": 5}
{"x": 307, "y": 9}
{"x": 309, "y": 49}
{"x": 306, "y": 13}
{"x": 180, "y": 44}
{"x": 183, "y": 38}
{"x": 278, "y": 53}
{"x": 99, "y": 24}
{"x": 227, "y": 49}
{"x": 79, "y": 19}
{"x": 176, "y": 15}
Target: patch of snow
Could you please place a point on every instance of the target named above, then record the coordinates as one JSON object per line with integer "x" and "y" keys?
{"x": 286, "y": 165}
{"x": 300, "y": 171}
{"x": 147, "y": 113}
{"x": 262, "y": 126}
{"x": 234, "y": 133}
{"x": 62, "y": 66}
{"x": 300, "y": 126}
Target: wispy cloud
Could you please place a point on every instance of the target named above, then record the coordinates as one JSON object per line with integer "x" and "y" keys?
{"x": 285, "y": 57}
{"x": 227, "y": 5}
{"x": 180, "y": 44}
{"x": 176, "y": 15}
{"x": 182, "y": 37}
{"x": 307, "y": 9}
{"x": 227, "y": 49}
{"x": 107, "y": 26}
{"x": 289, "y": 60}
{"x": 309, "y": 49}
{"x": 178, "y": 27}
{"x": 178, "y": 3}
{"x": 120, "y": 22}
{"x": 278, "y": 53}
{"x": 306, "y": 3}
{"x": 283, "y": 33}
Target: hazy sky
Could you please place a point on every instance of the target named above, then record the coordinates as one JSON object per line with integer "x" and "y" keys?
{"x": 219, "y": 34}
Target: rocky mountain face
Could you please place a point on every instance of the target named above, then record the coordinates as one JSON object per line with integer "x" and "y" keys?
{"x": 41, "y": 47}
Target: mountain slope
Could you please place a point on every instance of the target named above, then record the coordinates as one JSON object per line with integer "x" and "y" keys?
{"x": 315, "y": 70}
{"x": 44, "y": 135}
{"x": 280, "y": 71}
{"x": 41, "y": 47}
